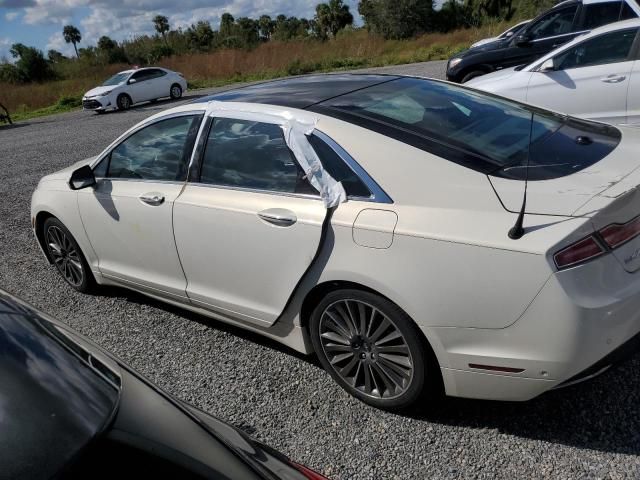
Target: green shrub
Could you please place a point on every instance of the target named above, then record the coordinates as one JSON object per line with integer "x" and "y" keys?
{"x": 69, "y": 101}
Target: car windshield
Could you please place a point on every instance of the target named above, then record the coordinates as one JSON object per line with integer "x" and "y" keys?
{"x": 480, "y": 131}
{"x": 54, "y": 396}
{"x": 117, "y": 79}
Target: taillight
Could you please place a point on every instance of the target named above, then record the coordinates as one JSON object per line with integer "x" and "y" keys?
{"x": 579, "y": 252}
{"x": 616, "y": 234}
{"x": 308, "y": 473}
{"x": 612, "y": 237}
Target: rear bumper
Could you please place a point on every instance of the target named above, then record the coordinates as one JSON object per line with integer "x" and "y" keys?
{"x": 582, "y": 320}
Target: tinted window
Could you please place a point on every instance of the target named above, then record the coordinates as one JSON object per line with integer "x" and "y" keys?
{"x": 627, "y": 13}
{"x": 155, "y": 73}
{"x": 248, "y": 154}
{"x": 478, "y": 131}
{"x": 157, "y": 152}
{"x": 608, "y": 48}
{"x": 598, "y": 14}
{"x": 555, "y": 23}
{"x": 340, "y": 171}
{"x": 142, "y": 75}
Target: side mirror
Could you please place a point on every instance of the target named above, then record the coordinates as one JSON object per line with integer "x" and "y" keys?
{"x": 523, "y": 40}
{"x": 132, "y": 80}
{"x": 82, "y": 178}
{"x": 547, "y": 66}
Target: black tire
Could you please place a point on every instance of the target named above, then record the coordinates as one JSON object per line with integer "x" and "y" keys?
{"x": 473, "y": 74}
{"x": 175, "y": 92}
{"x": 124, "y": 101}
{"x": 70, "y": 261}
{"x": 366, "y": 347}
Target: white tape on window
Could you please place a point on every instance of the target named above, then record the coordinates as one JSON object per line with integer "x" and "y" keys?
{"x": 296, "y": 128}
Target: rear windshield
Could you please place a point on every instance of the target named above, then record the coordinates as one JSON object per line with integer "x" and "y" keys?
{"x": 480, "y": 131}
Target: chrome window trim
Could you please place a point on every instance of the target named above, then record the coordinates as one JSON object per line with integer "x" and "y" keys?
{"x": 378, "y": 195}
{"x": 307, "y": 196}
{"x": 581, "y": 32}
{"x": 124, "y": 137}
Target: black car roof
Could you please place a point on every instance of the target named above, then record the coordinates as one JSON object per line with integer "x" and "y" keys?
{"x": 300, "y": 92}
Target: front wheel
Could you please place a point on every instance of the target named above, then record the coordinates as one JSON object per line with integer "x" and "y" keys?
{"x": 124, "y": 102}
{"x": 370, "y": 347}
{"x": 66, "y": 255}
{"x": 175, "y": 92}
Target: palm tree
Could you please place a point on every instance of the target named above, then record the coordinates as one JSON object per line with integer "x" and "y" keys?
{"x": 72, "y": 35}
{"x": 332, "y": 17}
{"x": 161, "y": 23}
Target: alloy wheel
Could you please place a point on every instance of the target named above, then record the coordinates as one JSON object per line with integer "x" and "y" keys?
{"x": 65, "y": 256}
{"x": 366, "y": 349}
{"x": 176, "y": 91}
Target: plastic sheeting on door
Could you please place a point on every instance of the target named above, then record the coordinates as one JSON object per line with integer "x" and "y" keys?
{"x": 296, "y": 128}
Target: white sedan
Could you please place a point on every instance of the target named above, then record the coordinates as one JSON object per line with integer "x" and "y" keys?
{"x": 595, "y": 76}
{"x": 374, "y": 220}
{"x": 127, "y": 88}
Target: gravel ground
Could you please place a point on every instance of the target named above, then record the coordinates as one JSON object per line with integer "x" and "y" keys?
{"x": 587, "y": 431}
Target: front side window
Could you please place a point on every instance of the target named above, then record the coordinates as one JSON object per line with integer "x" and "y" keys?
{"x": 142, "y": 75}
{"x": 253, "y": 155}
{"x": 598, "y": 14}
{"x": 157, "y": 152}
{"x": 555, "y": 23}
{"x": 608, "y": 48}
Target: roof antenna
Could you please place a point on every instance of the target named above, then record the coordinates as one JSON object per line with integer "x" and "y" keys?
{"x": 517, "y": 231}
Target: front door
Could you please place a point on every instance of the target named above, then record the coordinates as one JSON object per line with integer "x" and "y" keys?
{"x": 590, "y": 80}
{"x": 249, "y": 228}
{"x": 128, "y": 215}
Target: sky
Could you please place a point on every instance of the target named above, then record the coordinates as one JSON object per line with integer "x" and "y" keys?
{"x": 39, "y": 23}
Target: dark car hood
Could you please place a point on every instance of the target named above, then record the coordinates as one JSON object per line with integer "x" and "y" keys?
{"x": 52, "y": 401}
{"x": 496, "y": 46}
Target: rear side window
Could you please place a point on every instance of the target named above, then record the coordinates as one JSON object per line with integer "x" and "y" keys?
{"x": 608, "y": 48}
{"x": 479, "y": 131}
{"x": 598, "y": 14}
{"x": 158, "y": 152}
{"x": 340, "y": 171}
{"x": 553, "y": 24}
{"x": 253, "y": 155}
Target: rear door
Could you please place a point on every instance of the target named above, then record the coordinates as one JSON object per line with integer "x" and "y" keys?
{"x": 249, "y": 225}
{"x": 591, "y": 79}
{"x": 141, "y": 90}
{"x": 633, "y": 95}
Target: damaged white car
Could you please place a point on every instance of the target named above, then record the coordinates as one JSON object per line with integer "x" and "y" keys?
{"x": 418, "y": 236}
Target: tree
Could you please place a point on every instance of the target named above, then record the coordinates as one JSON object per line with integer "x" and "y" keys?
{"x": 161, "y": 24}
{"x": 30, "y": 63}
{"x": 106, "y": 43}
{"x": 55, "y": 56}
{"x": 397, "y": 18}
{"x": 72, "y": 35}
{"x": 226, "y": 25}
{"x": 266, "y": 27}
{"x": 200, "y": 36}
{"x": 248, "y": 31}
{"x": 332, "y": 17}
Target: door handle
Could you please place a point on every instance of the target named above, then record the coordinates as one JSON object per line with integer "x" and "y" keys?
{"x": 153, "y": 199}
{"x": 613, "y": 78}
{"x": 278, "y": 216}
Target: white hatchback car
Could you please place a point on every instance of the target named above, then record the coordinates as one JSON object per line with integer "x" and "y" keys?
{"x": 127, "y": 88}
{"x": 376, "y": 221}
{"x": 595, "y": 76}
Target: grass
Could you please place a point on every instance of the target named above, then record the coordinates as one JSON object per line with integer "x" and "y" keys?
{"x": 349, "y": 50}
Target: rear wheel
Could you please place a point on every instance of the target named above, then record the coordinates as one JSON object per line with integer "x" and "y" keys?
{"x": 175, "y": 92}
{"x": 66, "y": 255}
{"x": 124, "y": 102}
{"x": 370, "y": 347}
{"x": 473, "y": 74}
